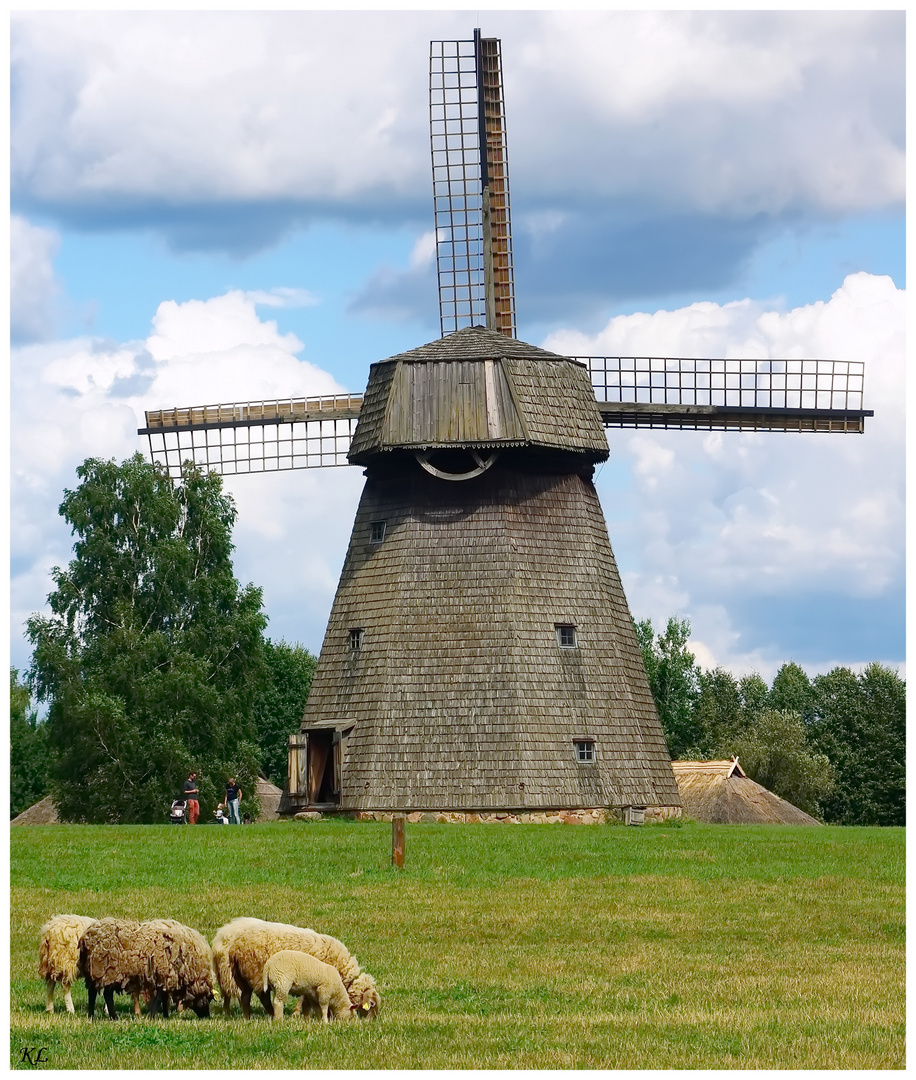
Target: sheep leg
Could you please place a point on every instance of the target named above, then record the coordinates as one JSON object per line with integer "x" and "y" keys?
{"x": 92, "y": 992}
{"x": 279, "y": 1002}
{"x": 323, "y": 1005}
{"x": 108, "y": 994}
{"x": 227, "y": 1005}
{"x": 160, "y": 1001}
{"x": 264, "y": 997}
{"x": 50, "y": 1006}
{"x": 297, "y": 1009}
{"x": 245, "y": 1001}
{"x": 68, "y": 999}
{"x": 136, "y": 1004}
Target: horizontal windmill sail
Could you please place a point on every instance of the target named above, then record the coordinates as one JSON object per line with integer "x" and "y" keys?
{"x": 255, "y": 436}
{"x": 651, "y": 392}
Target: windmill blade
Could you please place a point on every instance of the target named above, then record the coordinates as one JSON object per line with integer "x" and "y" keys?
{"x": 744, "y": 395}
{"x": 254, "y": 437}
{"x": 471, "y": 185}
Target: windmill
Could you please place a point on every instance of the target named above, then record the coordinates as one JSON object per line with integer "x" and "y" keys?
{"x": 480, "y": 658}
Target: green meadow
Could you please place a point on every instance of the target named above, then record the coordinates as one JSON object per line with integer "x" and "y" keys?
{"x": 500, "y": 947}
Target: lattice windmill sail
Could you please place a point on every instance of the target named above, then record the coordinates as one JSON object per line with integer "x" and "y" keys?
{"x": 480, "y": 658}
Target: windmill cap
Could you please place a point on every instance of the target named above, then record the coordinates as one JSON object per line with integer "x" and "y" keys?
{"x": 478, "y": 388}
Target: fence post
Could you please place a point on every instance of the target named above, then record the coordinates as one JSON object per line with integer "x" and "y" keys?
{"x": 397, "y": 839}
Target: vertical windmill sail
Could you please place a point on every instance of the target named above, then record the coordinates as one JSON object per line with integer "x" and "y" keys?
{"x": 471, "y": 185}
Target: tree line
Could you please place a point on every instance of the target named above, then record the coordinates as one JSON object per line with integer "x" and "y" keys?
{"x": 833, "y": 745}
{"x": 154, "y": 660}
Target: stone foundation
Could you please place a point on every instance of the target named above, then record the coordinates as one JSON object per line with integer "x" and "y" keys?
{"x": 597, "y": 816}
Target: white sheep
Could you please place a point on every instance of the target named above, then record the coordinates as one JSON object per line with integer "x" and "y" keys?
{"x": 311, "y": 980}
{"x": 59, "y": 954}
{"x": 161, "y": 959}
{"x": 241, "y": 949}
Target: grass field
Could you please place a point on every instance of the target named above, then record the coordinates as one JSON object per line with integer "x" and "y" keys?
{"x": 511, "y": 947}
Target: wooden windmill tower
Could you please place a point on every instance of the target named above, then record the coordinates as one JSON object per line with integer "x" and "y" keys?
{"x": 480, "y": 658}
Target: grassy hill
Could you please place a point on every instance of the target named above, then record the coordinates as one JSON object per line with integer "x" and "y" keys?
{"x": 511, "y": 947}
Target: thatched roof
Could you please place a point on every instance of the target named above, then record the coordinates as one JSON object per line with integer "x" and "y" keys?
{"x": 40, "y": 813}
{"x": 269, "y": 794}
{"x": 720, "y": 793}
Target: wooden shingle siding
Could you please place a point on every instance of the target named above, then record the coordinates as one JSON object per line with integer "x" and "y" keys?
{"x": 461, "y": 696}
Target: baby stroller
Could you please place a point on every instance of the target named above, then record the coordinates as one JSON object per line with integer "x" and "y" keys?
{"x": 178, "y": 815}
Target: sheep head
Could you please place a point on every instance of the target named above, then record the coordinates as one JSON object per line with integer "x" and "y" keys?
{"x": 365, "y": 1000}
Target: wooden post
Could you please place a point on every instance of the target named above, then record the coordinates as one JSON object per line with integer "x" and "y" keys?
{"x": 397, "y": 839}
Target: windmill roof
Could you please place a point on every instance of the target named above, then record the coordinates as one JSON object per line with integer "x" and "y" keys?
{"x": 476, "y": 343}
{"x": 478, "y": 388}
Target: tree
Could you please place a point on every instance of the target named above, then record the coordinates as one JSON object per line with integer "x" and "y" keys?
{"x": 718, "y": 711}
{"x": 674, "y": 679}
{"x": 792, "y": 690}
{"x": 860, "y": 724}
{"x": 773, "y": 750}
{"x": 29, "y": 764}
{"x": 153, "y": 653}
{"x": 279, "y": 706}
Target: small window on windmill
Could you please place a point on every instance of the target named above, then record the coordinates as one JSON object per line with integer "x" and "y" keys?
{"x": 356, "y": 639}
{"x": 566, "y": 635}
{"x": 376, "y": 531}
{"x": 585, "y": 750}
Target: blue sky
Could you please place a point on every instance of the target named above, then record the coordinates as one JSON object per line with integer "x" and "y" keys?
{"x": 197, "y": 215}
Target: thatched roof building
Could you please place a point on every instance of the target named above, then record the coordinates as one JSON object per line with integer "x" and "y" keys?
{"x": 40, "y": 813}
{"x": 721, "y": 793}
{"x": 270, "y": 795}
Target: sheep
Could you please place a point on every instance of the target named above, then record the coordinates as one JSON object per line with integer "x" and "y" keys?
{"x": 309, "y": 979}
{"x": 59, "y": 954}
{"x": 242, "y": 947}
{"x": 161, "y": 958}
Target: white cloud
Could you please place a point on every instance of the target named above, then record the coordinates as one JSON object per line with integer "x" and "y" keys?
{"x": 741, "y": 112}
{"x": 719, "y": 520}
{"x": 86, "y": 398}
{"x": 702, "y": 524}
{"x": 281, "y": 297}
{"x": 34, "y": 288}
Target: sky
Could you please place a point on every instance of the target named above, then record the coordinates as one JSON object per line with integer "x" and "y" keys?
{"x": 225, "y": 206}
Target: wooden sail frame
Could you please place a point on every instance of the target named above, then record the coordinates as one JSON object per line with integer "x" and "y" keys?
{"x": 644, "y": 392}
{"x": 470, "y": 171}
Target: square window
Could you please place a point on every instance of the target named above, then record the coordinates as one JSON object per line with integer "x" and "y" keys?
{"x": 356, "y": 638}
{"x": 376, "y": 531}
{"x": 585, "y": 750}
{"x": 566, "y": 635}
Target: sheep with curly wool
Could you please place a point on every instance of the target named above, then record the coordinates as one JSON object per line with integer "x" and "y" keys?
{"x": 241, "y": 949}
{"x": 160, "y": 958}
{"x": 59, "y": 954}
{"x": 311, "y": 980}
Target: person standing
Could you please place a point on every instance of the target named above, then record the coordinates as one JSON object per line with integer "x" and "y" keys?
{"x": 190, "y": 797}
{"x": 233, "y": 797}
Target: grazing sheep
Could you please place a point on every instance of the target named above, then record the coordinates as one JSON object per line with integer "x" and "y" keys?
{"x": 59, "y": 954}
{"x": 309, "y": 979}
{"x": 161, "y": 958}
{"x": 242, "y": 947}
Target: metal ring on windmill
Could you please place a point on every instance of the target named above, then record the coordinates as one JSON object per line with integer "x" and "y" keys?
{"x": 482, "y": 465}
